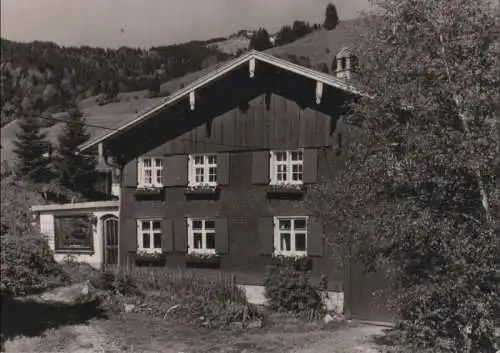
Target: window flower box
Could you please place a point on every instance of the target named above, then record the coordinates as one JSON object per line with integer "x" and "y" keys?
{"x": 202, "y": 191}
{"x": 143, "y": 258}
{"x": 299, "y": 261}
{"x": 294, "y": 190}
{"x": 202, "y": 260}
{"x": 148, "y": 191}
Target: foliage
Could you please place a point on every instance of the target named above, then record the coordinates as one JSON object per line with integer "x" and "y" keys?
{"x": 116, "y": 282}
{"x": 28, "y": 265}
{"x": 288, "y": 34}
{"x": 75, "y": 171}
{"x": 53, "y": 77}
{"x": 31, "y": 148}
{"x": 260, "y": 40}
{"x": 210, "y": 303}
{"x": 417, "y": 196}
{"x": 288, "y": 289}
{"x": 331, "y": 17}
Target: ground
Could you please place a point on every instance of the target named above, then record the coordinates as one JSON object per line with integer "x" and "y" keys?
{"x": 134, "y": 332}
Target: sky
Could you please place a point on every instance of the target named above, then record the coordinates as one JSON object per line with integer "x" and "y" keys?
{"x": 146, "y": 23}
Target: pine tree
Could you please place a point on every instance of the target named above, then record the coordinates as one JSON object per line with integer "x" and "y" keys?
{"x": 76, "y": 172}
{"x": 331, "y": 17}
{"x": 260, "y": 40}
{"x": 32, "y": 150}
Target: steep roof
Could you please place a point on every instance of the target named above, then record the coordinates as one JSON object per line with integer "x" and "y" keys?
{"x": 217, "y": 73}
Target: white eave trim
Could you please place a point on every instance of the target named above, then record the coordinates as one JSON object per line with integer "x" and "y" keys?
{"x": 251, "y": 55}
{"x": 76, "y": 206}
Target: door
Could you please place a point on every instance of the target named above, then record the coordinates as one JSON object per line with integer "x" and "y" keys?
{"x": 110, "y": 232}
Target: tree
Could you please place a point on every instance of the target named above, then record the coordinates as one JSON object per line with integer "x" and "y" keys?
{"x": 260, "y": 40}
{"x": 418, "y": 195}
{"x": 331, "y": 17}
{"x": 76, "y": 172}
{"x": 32, "y": 150}
{"x": 154, "y": 87}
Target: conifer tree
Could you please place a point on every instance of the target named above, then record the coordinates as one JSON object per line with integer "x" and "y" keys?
{"x": 33, "y": 151}
{"x": 331, "y": 17}
{"x": 76, "y": 172}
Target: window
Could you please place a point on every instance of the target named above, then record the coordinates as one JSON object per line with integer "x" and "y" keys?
{"x": 290, "y": 236}
{"x": 149, "y": 235}
{"x": 201, "y": 236}
{"x": 150, "y": 172}
{"x": 73, "y": 233}
{"x": 203, "y": 169}
{"x": 286, "y": 167}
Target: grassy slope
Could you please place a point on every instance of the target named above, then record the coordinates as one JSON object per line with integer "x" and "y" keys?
{"x": 320, "y": 47}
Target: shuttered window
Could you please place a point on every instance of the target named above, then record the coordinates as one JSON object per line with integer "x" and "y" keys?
{"x": 201, "y": 236}
{"x": 286, "y": 167}
{"x": 150, "y": 172}
{"x": 290, "y": 236}
{"x": 149, "y": 235}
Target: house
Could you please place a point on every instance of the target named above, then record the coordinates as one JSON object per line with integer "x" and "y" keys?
{"x": 214, "y": 177}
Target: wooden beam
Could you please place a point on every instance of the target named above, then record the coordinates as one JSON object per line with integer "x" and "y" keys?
{"x": 251, "y": 67}
{"x": 192, "y": 100}
{"x": 100, "y": 152}
{"x": 319, "y": 91}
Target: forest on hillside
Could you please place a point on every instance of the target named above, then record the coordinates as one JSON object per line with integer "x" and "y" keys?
{"x": 42, "y": 77}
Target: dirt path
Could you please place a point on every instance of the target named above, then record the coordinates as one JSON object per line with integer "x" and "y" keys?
{"x": 351, "y": 340}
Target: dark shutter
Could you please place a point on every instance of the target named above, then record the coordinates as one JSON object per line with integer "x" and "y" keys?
{"x": 176, "y": 171}
{"x": 180, "y": 233}
{"x": 221, "y": 236}
{"x": 223, "y": 167}
{"x": 266, "y": 235}
{"x": 127, "y": 239}
{"x": 167, "y": 238}
{"x": 310, "y": 166}
{"x": 130, "y": 173}
{"x": 260, "y": 167}
{"x": 315, "y": 237}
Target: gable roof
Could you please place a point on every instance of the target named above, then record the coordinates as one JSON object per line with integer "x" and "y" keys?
{"x": 217, "y": 73}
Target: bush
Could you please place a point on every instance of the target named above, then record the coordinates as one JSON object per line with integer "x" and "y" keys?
{"x": 211, "y": 303}
{"x": 78, "y": 272}
{"x": 288, "y": 289}
{"x": 116, "y": 282}
{"x": 28, "y": 265}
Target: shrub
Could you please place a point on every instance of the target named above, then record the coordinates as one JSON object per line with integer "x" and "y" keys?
{"x": 116, "y": 282}
{"x": 28, "y": 265}
{"x": 78, "y": 272}
{"x": 212, "y": 303}
{"x": 288, "y": 289}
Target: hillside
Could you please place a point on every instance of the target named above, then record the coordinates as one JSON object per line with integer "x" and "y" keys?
{"x": 316, "y": 50}
{"x": 40, "y": 76}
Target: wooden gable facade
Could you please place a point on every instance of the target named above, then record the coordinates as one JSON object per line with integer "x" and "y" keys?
{"x": 239, "y": 117}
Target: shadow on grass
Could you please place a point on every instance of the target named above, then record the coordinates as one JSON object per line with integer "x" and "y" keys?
{"x": 31, "y": 318}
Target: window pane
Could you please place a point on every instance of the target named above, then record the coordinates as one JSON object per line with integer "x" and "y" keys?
{"x": 209, "y": 224}
{"x": 148, "y": 177}
{"x": 198, "y": 160}
{"x": 285, "y": 241}
{"x": 199, "y": 175}
{"x": 297, "y": 156}
{"x": 146, "y": 244}
{"x": 212, "y": 159}
{"x": 158, "y": 162}
{"x": 147, "y": 162}
{"x": 145, "y": 225}
{"x": 159, "y": 176}
{"x": 197, "y": 224}
{"x": 157, "y": 240}
{"x": 285, "y": 224}
{"x": 300, "y": 224}
{"x": 210, "y": 240}
{"x": 280, "y": 156}
{"x": 197, "y": 241}
{"x": 156, "y": 225}
{"x": 212, "y": 174}
{"x": 300, "y": 242}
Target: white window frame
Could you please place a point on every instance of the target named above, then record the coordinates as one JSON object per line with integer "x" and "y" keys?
{"x": 204, "y": 232}
{"x": 155, "y": 169}
{"x": 277, "y": 236}
{"x": 206, "y": 169}
{"x": 151, "y": 231}
{"x": 273, "y": 167}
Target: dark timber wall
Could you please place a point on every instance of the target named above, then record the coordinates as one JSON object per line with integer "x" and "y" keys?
{"x": 238, "y": 118}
